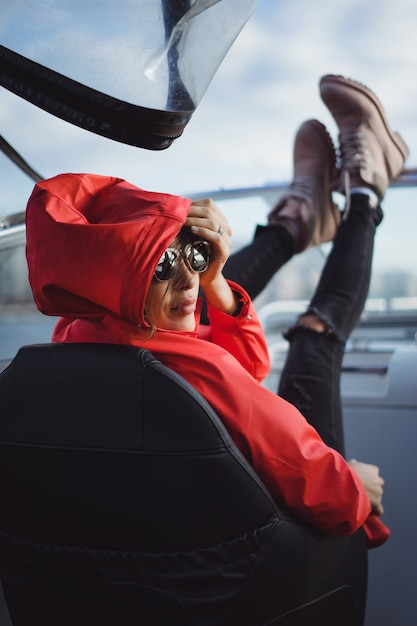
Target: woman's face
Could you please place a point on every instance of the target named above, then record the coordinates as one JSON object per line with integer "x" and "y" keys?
{"x": 171, "y": 304}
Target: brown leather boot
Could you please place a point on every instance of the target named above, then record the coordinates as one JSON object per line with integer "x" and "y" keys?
{"x": 371, "y": 154}
{"x": 306, "y": 208}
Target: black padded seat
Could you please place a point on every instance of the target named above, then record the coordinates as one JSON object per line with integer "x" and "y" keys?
{"x": 125, "y": 501}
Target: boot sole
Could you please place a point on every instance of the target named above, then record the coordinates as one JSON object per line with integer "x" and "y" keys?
{"x": 333, "y": 79}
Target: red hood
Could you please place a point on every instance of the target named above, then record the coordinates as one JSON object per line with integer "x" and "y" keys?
{"x": 93, "y": 243}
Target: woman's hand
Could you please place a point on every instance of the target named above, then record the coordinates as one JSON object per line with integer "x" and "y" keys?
{"x": 372, "y": 482}
{"x": 207, "y": 222}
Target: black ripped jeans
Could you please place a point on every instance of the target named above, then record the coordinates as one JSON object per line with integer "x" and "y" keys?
{"x": 311, "y": 376}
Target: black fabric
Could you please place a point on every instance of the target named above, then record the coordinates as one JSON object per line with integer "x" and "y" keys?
{"x": 328, "y": 610}
{"x": 198, "y": 586}
{"x": 124, "y": 498}
{"x": 310, "y": 378}
{"x": 253, "y": 266}
{"x": 119, "y": 432}
{"x": 87, "y": 108}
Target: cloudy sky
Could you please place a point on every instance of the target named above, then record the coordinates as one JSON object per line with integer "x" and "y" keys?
{"x": 242, "y": 131}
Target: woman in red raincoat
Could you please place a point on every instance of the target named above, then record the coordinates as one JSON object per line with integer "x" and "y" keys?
{"x": 123, "y": 265}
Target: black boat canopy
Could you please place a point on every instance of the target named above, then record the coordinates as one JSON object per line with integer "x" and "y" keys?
{"x": 130, "y": 70}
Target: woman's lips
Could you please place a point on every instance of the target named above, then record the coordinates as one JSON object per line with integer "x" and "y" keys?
{"x": 186, "y": 307}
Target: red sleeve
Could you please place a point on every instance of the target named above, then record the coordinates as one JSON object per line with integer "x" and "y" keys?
{"x": 376, "y": 531}
{"x": 242, "y": 336}
{"x": 301, "y": 472}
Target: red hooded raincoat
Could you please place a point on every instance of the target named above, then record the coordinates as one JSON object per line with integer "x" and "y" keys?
{"x": 93, "y": 243}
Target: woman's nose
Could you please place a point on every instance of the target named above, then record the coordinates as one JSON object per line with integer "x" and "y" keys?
{"x": 185, "y": 277}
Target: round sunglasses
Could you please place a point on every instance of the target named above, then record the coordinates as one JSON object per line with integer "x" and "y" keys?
{"x": 195, "y": 254}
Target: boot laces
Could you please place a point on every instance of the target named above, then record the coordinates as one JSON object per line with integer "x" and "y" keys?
{"x": 353, "y": 152}
{"x": 353, "y": 156}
